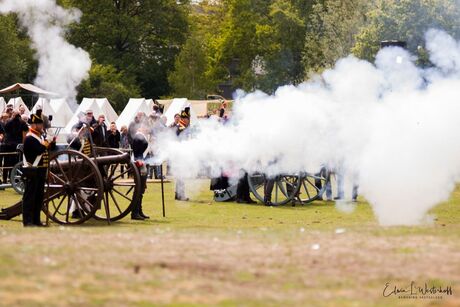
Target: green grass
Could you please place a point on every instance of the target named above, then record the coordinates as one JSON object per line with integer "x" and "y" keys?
{"x": 227, "y": 254}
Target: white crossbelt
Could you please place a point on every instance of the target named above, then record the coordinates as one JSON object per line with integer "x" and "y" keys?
{"x": 37, "y": 159}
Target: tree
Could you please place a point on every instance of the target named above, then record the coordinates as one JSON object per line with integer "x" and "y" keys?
{"x": 17, "y": 63}
{"x": 331, "y": 32}
{"x": 106, "y": 81}
{"x": 140, "y": 38}
{"x": 406, "y": 20}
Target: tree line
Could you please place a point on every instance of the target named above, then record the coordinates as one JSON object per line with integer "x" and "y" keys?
{"x": 167, "y": 48}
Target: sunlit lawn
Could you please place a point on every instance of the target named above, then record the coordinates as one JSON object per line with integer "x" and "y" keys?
{"x": 205, "y": 252}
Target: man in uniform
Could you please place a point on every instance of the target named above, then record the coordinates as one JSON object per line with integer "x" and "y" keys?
{"x": 183, "y": 132}
{"x": 140, "y": 147}
{"x": 35, "y": 166}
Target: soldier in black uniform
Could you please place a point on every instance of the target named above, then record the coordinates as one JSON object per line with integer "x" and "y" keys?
{"x": 35, "y": 166}
{"x": 182, "y": 132}
{"x": 140, "y": 146}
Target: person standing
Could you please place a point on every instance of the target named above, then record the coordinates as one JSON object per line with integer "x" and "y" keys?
{"x": 100, "y": 132}
{"x": 243, "y": 194}
{"x": 15, "y": 131}
{"x": 140, "y": 148}
{"x": 183, "y": 133}
{"x": 113, "y": 136}
{"x": 35, "y": 164}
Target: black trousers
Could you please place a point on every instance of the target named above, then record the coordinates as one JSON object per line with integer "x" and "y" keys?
{"x": 268, "y": 189}
{"x": 242, "y": 190}
{"x": 137, "y": 208}
{"x": 32, "y": 200}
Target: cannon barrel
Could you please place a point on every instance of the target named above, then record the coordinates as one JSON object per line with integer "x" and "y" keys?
{"x": 102, "y": 160}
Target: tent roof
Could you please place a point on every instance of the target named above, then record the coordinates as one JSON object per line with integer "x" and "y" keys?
{"x": 176, "y": 106}
{"x": 16, "y": 102}
{"x": 106, "y": 109}
{"x": 28, "y": 87}
{"x": 2, "y": 105}
{"x": 86, "y": 104}
{"x": 134, "y": 106}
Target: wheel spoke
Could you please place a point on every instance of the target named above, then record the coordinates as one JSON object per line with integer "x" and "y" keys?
{"x": 88, "y": 189}
{"x": 85, "y": 178}
{"x": 115, "y": 202}
{"x": 306, "y": 189}
{"x": 57, "y": 177}
{"x": 121, "y": 174}
{"x": 59, "y": 206}
{"x": 124, "y": 196}
{"x": 283, "y": 190}
{"x": 61, "y": 169}
{"x": 316, "y": 188}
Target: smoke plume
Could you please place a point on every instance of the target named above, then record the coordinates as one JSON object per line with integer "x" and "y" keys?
{"x": 390, "y": 125}
{"x": 62, "y": 66}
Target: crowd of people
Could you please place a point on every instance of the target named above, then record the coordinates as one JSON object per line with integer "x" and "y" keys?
{"x": 139, "y": 138}
{"x": 13, "y": 130}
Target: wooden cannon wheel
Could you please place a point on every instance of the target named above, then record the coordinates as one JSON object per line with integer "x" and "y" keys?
{"x": 285, "y": 188}
{"x": 313, "y": 186}
{"x": 122, "y": 186}
{"x": 74, "y": 190}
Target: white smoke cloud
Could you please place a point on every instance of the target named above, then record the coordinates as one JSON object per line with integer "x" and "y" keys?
{"x": 62, "y": 66}
{"x": 391, "y": 123}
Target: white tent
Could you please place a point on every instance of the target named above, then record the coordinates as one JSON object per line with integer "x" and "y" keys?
{"x": 177, "y": 105}
{"x": 63, "y": 112}
{"x": 16, "y": 102}
{"x": 86, "y": 104}
{"x": 58, "y": 108}
{"x": 134, "y": 106}
{"x": 2, "y": 105}
{"x": 107, "y": 110}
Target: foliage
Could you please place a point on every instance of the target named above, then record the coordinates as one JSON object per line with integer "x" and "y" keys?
{"x": 406, "y": 20}
{"x": 17, "y": 58}
{"x": 106, "y": 81}
{"x": 331, "y": 32}
{"x": 139, "y": 37}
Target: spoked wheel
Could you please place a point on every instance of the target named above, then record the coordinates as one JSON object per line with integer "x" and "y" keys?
{"x": 16, "y": 179}
{"x": 285, "y": 187}
{"x": 122, "y": 187}
{"x": 75, "y": 188}
{"x": 313, "y": 186}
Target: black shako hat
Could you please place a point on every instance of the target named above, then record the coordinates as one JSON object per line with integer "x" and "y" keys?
{"x": 185, "y": 113}
{"x": 35, "y": 119}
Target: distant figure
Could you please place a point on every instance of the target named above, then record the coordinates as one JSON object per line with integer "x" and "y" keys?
{"x": 100, "y": 132}
{"x": 113, "y": 136}
{"x": 124, "y": 142}
{"x": 182, "y": 132}
{"x": 135, "y": 125}
{"x": 15, "y": 132}
{"x": 175, "y": 124}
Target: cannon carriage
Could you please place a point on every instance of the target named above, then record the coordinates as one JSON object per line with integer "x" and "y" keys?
{"x": 104, "y": 186}
{"x": 300, "y": 188}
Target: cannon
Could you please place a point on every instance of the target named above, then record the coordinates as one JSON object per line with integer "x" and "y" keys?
{"x": 79, "y": 187}
{"x": 301, "y": 188}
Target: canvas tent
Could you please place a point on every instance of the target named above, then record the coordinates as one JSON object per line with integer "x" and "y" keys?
{"x": 177, "y": 105}
{"x": 106, "y": 109}
{"x": 134, "y": 106}
{"x": 58, "y": 108}
{"x": 86, "y": 104}
{"x": 2, "y": 105}
{"x": 27, "y": 87}
{"x": 16, "y": 102}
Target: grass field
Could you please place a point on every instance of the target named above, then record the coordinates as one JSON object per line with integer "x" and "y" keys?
{"x": 207, "y": 253}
